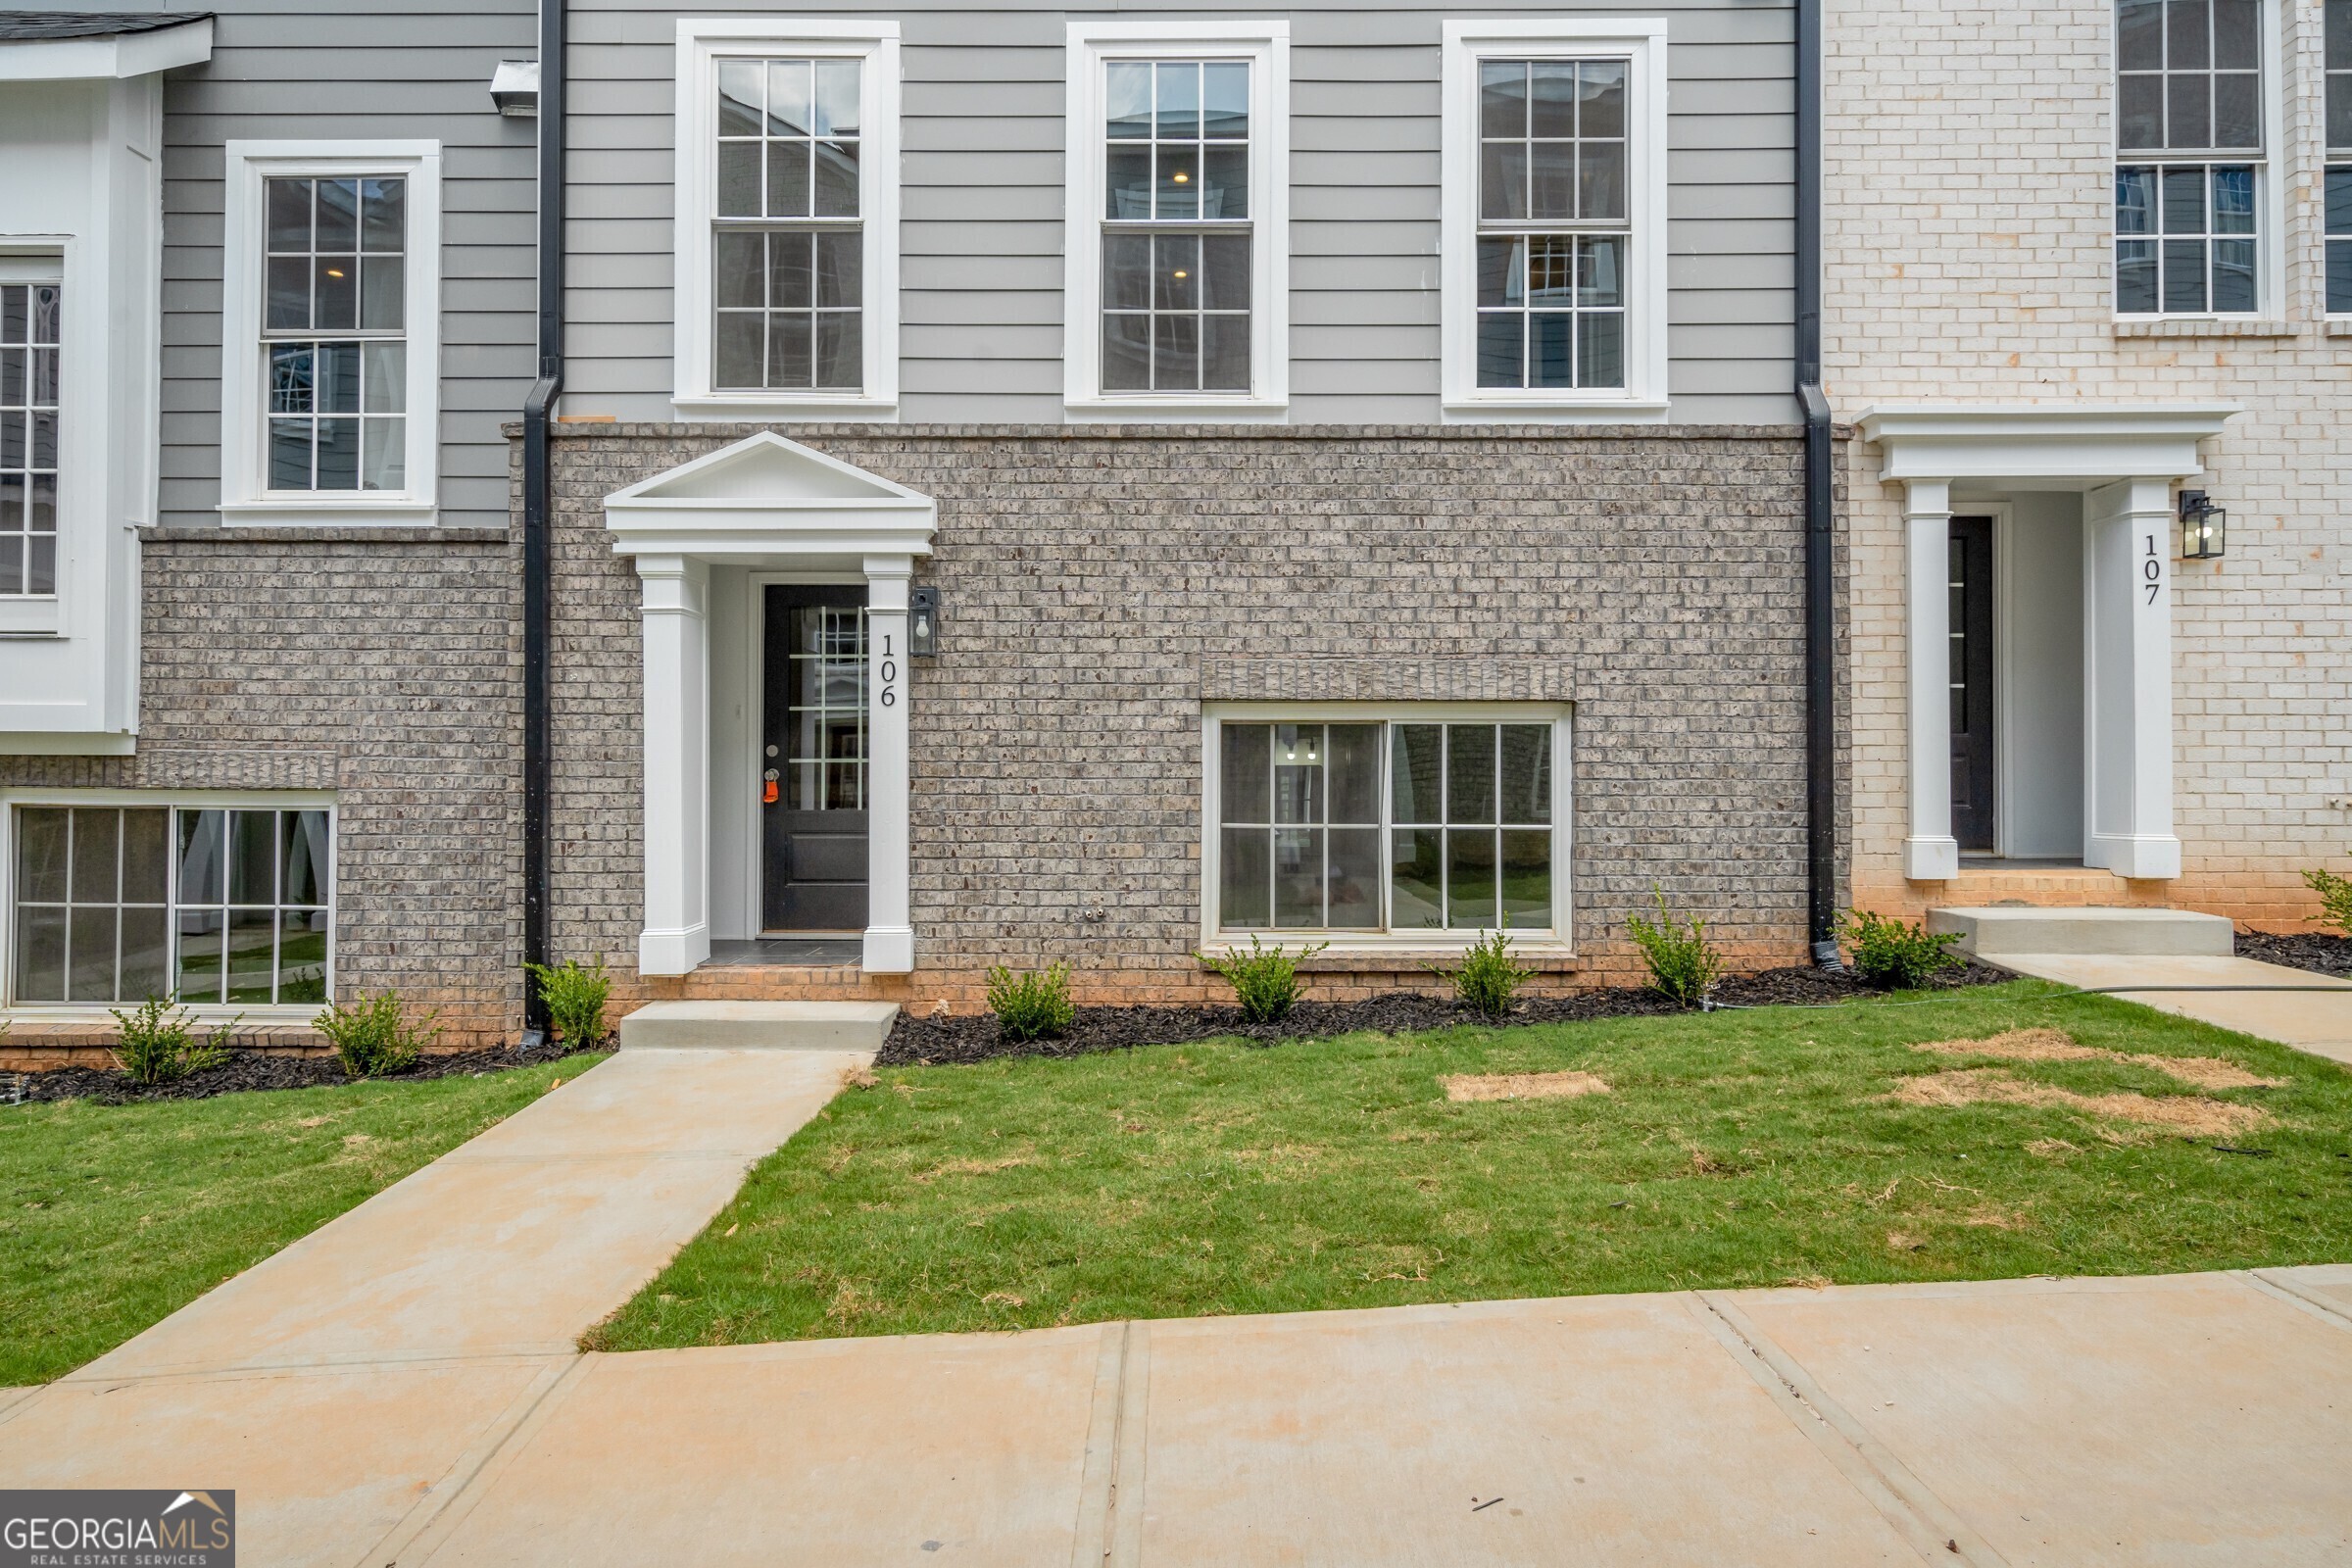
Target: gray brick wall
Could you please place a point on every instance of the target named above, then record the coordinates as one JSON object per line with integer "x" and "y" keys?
{"x": 385, "y": 667}
{"x": 1100, "y": 585}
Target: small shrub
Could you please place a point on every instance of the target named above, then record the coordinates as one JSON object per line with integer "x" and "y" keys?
{"x": 2335, "y": 898}
{"x": 576, "y": 1000}
{"x": 157, "y": 1044}
{"x": 1684, "y": 964}
{"x": 374, "y": 1036}
{"x": 1487, "y": 979}
{"x": 1264, "y": 980}
{"x": 1894, "y": 957}
{"x": 1031, "y": 1006}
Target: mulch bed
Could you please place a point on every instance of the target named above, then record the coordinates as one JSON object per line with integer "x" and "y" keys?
{"x": 255, "y": 1069}
{"x": 2313, "y": 951}
{"x": 961, "y": 1040}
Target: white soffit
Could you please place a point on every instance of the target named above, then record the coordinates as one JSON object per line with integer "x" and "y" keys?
{"x": 105, "y": 56}
{"x": 2046, "y": 445}
{"x": 766, "y": 499}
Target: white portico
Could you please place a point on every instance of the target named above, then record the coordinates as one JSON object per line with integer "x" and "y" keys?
{"x": 763, "y": 509}
{"x": 2047, "y": 745}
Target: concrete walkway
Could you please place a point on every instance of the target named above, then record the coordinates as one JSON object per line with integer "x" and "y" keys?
{"x": 2317, "y": 1018}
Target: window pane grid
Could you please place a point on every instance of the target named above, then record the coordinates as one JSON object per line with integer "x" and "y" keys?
{"x": 829, "y": 659}
{"x": 2185, "y": 241}
{"x": 249, "y": 911}
{"x": 2337, "y": 28}
{"x": 336, "y": 263}
{"x": 2339, "y": 238}
{"x": 789, "y": 295}
{"x": 2188, "y": 76}
{"x": 1177, "y": 237}
{"x": 1554, "y": 221}
{"x": 1385, "y": 826}
{"x": 30, "y": 329}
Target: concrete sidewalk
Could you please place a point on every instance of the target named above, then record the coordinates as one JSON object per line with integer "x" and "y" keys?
{"x": 2315, "y": 1016}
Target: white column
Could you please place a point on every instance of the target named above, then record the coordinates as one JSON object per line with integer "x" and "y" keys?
{"x": 889, "y": 931}
{"x": 2127, "y": 684}
{"x": 677, "y": 760}
{"x": 1930, "y": 851}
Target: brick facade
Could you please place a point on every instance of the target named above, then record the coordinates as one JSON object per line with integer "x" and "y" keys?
{"x": 1100, "y": 586}
{"x": 1968, "y": 181}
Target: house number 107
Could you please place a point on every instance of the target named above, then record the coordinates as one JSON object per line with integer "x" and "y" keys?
{"x": 890, "y": 674}
{"x": 2151, "y": 571}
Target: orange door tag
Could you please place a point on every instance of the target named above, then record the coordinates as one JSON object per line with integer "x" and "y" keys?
{"x": 768, "y": 796}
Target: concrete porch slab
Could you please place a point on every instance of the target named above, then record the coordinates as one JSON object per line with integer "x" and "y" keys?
{"x": 759, "y": 1025}
{"x": 2317, "y": 1016}
{"x": 2095, "y": 1421}
{"x": 1988, "y": 931}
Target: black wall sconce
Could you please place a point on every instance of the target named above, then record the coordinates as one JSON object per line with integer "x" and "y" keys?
{"x": 922, "y": 623}
{"x": 2204, "y": 527}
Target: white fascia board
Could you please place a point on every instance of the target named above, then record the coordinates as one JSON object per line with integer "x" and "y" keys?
{"x": 777, "y": 499}
{"x": 131, "y": 54}
{"x": 2060, "y": 442}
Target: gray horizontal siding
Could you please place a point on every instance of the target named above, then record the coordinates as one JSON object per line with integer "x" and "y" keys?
{"x": 292, "y": 68}
{"x": 982, "y": 199}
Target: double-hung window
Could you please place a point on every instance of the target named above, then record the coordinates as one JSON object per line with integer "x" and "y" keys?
{"x": 1176, "y": 270}
{"x": 32, "y": 315}
{"x": 2338, "y": 25}
{"x": 1415, "y": 828}
{"x": 331, "y": 333}
{"x": 2190, "y": 177}
{"x": 199, "y": 902}
{"x": 1554, "y": 211}
{"x": 787, "y": 238}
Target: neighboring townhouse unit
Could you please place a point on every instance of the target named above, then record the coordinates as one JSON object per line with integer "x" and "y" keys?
{"x": 1097, "y": 488}
{"x": 265, "y": 299}
{"x": 2081, "y": 287}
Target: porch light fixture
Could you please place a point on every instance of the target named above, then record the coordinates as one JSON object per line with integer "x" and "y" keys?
{"x": 2204, "y": 527}
{"x": 922, "y": 623}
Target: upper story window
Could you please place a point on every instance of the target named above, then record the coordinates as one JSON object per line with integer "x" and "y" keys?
{"x": 786, "y": 219}
{"x": 2338, "y": 22}
{"x": 31, "y": 317}
{"x": 1555, "y": 214}
{"x": 1176, "y": 269}
{"x": 2189, "y": 176}
{"x": 330, "y": 383}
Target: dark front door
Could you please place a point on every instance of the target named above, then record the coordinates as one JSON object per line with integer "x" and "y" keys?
{"x": 812, "y": 765}
{"x": 1972, "y": 682}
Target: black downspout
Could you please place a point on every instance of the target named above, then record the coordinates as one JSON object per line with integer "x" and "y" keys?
{"x": 538, "y": 487}
{"x": 1821, "y": 689}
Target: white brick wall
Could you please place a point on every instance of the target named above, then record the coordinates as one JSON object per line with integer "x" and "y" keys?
{"x": 1968, "y": 178}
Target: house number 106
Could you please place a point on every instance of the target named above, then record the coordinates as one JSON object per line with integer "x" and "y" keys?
{"x": 2151, "y": 571}
{"x": 889, "y": 673}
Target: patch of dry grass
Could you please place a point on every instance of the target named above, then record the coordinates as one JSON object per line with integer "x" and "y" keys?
{"x": 1466, "y": 1087}
{"x": 2191, "y": 1115}
{"x": 2056, "y": 1044}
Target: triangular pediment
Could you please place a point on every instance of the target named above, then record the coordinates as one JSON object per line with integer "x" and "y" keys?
{"x": 765, "y": 467}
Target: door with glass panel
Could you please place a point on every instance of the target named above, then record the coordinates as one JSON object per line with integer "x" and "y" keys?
{"x": 813, "y": 773}
{"x": 1970, "y": 584}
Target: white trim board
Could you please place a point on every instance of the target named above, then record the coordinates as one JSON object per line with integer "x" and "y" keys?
{"x": 701, "y": 43}
{"x": 1266, "y": 45}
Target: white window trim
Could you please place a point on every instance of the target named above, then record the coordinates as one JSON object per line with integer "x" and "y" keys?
{"x": 1266, "y": 45}
{"x": 245, "y": 496}
{"x": 1641, "y": 41}
{"x": 1558, "y": 941}
{"x": 185, "y": 800}
{"x": 2270, "y": 183}
{"x": 702, "y": 43}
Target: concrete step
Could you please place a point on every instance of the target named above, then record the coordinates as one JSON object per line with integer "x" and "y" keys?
{"x": 759, "y": 1025}
{"x": 1990, "y": 931}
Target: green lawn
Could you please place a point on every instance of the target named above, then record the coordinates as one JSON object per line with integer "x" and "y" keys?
{"x": 1734, "y": 1148}
{"x": 114, "y": 1216}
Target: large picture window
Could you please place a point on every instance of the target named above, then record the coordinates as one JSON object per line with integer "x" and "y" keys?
{"x": 204, "y": 904}
{"x": 786, "y": 219}
{"x": 1554, "y": 240}
{"x": 2189, "y": 172}
{"x": 1444, "y": 827}
{"x": 1177, "y": 269}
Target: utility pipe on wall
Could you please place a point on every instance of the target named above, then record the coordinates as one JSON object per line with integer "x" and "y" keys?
{"x": 538, "y": 484}
{"x": 1821, "y": 674}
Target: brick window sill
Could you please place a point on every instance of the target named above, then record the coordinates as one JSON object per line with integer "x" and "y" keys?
{"x": 2205, "y": 326}
{"x": 2339, "y": 329}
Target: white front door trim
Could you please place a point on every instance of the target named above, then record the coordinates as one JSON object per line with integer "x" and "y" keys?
{"x": 770, "y": 504}
{"x": 2125, "y": 460}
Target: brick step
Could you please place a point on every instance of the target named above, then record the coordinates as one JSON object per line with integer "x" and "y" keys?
{"x": 1988, "y": 931}
{"x": 758, "y": 1025}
